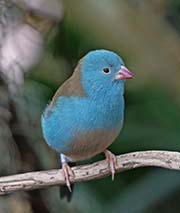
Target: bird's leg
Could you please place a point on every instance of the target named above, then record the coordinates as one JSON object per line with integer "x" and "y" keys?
{"x": 112, "y": 161}
{"x": 67, "y": 171}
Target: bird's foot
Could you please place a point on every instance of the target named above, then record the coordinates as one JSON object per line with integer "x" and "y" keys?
{"x": 67, "y": 172}
{"x": 112, "y": 161}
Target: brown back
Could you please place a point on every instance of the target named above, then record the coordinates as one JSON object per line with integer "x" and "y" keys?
{"x": 72, "y": 86}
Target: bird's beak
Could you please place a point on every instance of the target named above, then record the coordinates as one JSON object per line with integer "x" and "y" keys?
{"x": 123, "y": 73}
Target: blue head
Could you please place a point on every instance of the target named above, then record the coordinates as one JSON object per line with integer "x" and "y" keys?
{"x": 103, "y": 72}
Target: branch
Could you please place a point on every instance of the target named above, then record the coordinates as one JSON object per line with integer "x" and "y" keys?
{"x": 35, "y": 180}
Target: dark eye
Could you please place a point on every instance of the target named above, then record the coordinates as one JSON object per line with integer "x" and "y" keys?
{"x": 106, "y": 70}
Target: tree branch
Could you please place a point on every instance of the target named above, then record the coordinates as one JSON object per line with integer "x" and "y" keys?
{"x": 35, "y": 180}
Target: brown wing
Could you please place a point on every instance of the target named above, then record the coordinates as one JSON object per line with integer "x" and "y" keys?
{"x": 72, "y": 86}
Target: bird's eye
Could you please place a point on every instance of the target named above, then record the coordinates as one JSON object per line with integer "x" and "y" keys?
{"x": 106, "y": 70}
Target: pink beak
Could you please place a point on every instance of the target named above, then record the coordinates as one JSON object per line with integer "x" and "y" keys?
{"x": 123, "y": 73}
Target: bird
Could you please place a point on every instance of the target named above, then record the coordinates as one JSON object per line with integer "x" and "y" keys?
{"x": 86, "y": 113}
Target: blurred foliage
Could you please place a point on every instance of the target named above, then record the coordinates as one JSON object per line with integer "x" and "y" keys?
{"x": 146, "y": 34}
{"x": 173, "y": 13}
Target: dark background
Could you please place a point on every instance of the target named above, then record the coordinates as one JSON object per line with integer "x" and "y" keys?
{"x": 147, "y": 36}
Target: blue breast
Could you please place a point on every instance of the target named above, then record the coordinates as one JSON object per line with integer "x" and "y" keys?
{"x": 71, "y": 116}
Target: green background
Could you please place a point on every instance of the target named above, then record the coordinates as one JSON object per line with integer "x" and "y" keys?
{"x": 147, "y": 36}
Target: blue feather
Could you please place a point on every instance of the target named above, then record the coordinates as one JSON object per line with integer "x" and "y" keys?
{"x": 100, "y": 108}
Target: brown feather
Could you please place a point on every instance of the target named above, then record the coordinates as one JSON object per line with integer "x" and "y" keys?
{"x": 72, "y": 86}
{"x": 89, "y": 144}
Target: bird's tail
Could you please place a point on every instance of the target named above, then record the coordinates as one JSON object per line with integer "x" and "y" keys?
{"x": 64, "y": 192}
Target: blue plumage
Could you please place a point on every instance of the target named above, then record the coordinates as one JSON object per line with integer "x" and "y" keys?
{"x": 86, "y": 113}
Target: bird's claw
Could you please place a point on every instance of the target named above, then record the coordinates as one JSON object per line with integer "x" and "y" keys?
{"x": 112, "y": 162}
{"x": 67, "y": 172}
